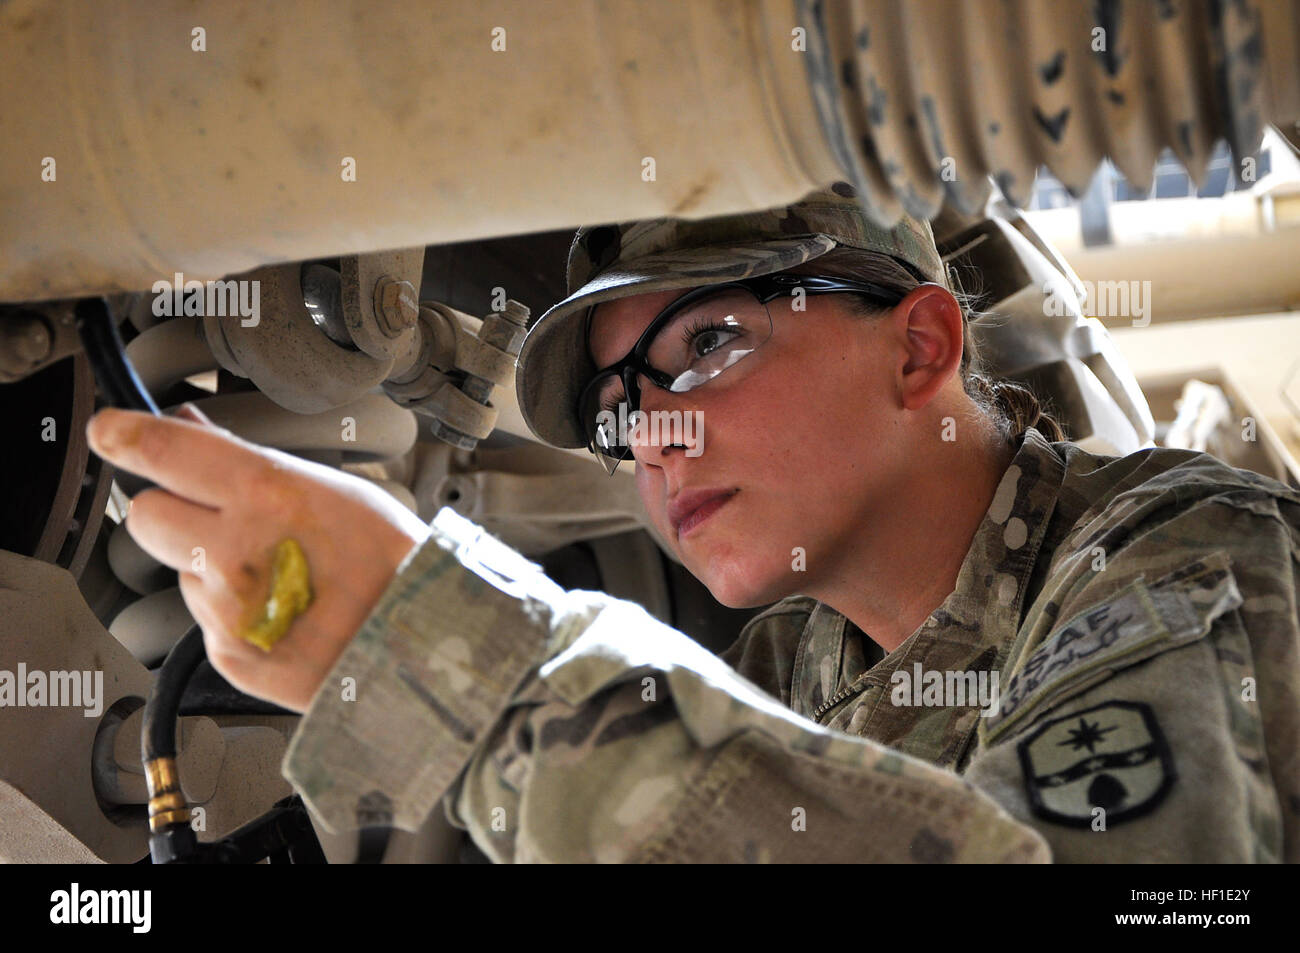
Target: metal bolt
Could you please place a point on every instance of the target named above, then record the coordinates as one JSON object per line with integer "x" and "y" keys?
{"x": 516, "y": 312}
{"x": 396, "y": 306}
{"x": 25, "y": 341}
{"x": 502, "y": 329}
{"x": 451, "y": 435}
{"x": 505, "y": 329}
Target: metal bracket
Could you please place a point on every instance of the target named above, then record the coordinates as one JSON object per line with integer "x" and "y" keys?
{"x": 381, "y": 300}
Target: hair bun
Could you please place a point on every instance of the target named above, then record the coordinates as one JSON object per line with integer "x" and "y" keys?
{"x": 1018, "y": 407}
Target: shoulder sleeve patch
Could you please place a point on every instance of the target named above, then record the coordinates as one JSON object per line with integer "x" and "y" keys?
{"x": 1110, "y": 761}
{"x": 1139, "y": 621}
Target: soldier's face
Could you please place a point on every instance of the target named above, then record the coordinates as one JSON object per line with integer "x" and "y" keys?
{"x": 800, "y": 448}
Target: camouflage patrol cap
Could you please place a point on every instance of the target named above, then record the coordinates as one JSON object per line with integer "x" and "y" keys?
{"x": 641, "y": 257}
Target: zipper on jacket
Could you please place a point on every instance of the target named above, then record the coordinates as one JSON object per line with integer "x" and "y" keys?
{"x": 843, "y": 694}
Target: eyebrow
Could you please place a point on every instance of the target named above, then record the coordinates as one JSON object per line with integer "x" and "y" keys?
{"x": 591, "y": 314}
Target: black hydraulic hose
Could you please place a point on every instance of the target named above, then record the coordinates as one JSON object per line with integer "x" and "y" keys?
{"x": 158, "y": 733}
{"x": 171, "y": 839}
{"x": 103, "y": 346}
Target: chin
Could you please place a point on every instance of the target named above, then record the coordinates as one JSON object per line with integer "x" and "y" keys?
{"x": 740, "y": 586}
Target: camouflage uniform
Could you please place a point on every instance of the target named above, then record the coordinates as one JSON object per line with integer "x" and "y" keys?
{"x": 1141, "y": 613}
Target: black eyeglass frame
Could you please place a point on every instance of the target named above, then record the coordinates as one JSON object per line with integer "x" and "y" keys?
{"x": 764, "y": 287}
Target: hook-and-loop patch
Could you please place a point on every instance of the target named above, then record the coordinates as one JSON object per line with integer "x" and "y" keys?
{"x": 1112, "y": 756}
{"x": 1139, "y": 621}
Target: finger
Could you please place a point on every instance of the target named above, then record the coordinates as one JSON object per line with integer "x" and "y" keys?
{"x": 193, "y": 461}
{"x": 172, "y": 530}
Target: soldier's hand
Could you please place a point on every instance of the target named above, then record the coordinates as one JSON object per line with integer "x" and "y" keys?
{"x": 221, "y": 508}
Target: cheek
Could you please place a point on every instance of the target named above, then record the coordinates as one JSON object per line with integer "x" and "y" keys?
{"x": 821, "y": 401}
{"x": 649, "y": 486}
{"x": 645, "y": 485}
{"x": 813, "y": 440}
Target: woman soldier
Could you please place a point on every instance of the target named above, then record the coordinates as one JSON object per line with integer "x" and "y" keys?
{"x": 986, "y": 644}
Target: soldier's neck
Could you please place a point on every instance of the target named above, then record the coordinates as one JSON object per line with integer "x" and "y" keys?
{"x": 906, "y": 563}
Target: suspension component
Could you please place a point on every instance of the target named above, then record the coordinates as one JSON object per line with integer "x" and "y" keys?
{"x": 453, "y": 381}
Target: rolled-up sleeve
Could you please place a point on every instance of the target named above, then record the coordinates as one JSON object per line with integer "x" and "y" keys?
{"x": 464, "y": 620}
{"x": 571, "y": 726}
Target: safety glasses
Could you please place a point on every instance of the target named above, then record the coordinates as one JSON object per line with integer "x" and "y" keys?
{"x": 699, "y": 336}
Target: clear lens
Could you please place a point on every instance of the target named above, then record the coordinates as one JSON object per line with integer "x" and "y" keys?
{"x": 695, "y": 345}
{"x": 709, "y": 336}
{"x": 609, "y": 414}
{"x": 605, "y": 414}
{"x": 609, "y": 463}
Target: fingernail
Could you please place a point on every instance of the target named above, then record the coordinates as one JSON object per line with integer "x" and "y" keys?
{"x": 95, "y": 430}
{"x": 104, "y": 431}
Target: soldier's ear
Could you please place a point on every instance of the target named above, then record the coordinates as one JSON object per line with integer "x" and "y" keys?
{"x": 930, "y": 327}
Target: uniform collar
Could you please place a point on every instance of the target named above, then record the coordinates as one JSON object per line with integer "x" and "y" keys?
{"x": 989, "y": 595}
{"x": 971, "y": 630}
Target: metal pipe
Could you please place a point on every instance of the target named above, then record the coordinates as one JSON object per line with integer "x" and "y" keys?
{"x": 429, "y": 125}
{"x": 680, "y": 109}
{"x": 150, "y": 627}
{"x": 167, "y": 353}
{"x": 371, "y": 427}
{"x": 137, "y": 570}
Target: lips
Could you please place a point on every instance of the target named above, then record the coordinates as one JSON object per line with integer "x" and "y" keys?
{"x": 689, "y": 508}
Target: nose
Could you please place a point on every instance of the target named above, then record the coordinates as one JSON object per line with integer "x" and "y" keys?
{"x": 661, "y": 432}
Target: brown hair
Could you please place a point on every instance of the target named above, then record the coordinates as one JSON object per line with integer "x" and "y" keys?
{"x": 1011, "y": 406}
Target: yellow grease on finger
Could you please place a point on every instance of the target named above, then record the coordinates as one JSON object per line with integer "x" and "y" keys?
{"x": 290, "y": 596}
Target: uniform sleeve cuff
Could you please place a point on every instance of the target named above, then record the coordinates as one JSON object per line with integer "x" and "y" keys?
{"x": 431, "y": 669}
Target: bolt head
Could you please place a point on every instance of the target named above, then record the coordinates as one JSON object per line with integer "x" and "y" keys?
{"x": 397, "y": 306}
{"x": 451, "y": 435}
